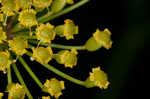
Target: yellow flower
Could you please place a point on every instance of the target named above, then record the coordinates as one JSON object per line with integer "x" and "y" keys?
{"x": 42, "y": 3}
{"x": 46, "y": 97}
{"x": 70, "y": 29}
{"x": 103, "y": 38}
{"x": 18, "y": 45}
{"x": 16, "y": 92}
{"x": 1, "y": 95}
{"x": 45, "y": 33}
{"x": 24, "y": 4}
{"x": 99, "y": 78}
{"x": 9, "y": 7}
{"x": 54, "y": 87}
{"x": 70, "y": 1}
{"x": 68, "y": 58}
{"x": 4, "y": 61}
{"x": 3, "y": 36}
{"x": 27, "y": 18}
{"x": 42, "y": 55}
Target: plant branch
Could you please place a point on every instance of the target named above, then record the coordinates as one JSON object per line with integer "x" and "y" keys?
{"x": 21, "y": 80}
{"x": 58, "y": 72}
{"x": 82, "y": 47}
{"x": 25, "y": 65}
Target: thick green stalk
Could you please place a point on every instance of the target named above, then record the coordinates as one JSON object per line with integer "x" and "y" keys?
{"x": 50, "y": 16}
{"x": 82, "y": 47}
{"x": 58, "y": 72}
{"x": 21, "y": 80}
{"x": 30, "y": 72}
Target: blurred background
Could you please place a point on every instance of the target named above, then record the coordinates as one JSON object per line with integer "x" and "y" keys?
{"x": 126, "y": 63}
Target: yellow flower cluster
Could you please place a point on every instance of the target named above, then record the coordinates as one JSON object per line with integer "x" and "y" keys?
{"x": 54, "y": 87}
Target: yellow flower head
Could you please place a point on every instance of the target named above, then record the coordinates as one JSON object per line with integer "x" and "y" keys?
{"x": 46, "y": 97}
{"x": 54, "y": 87}
{"x": 27, "y": 18}
{"x": 24, "y": 4}
{"x": 9, "y": 7}
{"x": 103, "y": 38}
{"x": 68, "y": 58}
{"x": 1, "y": 95}
{"x": 45, "y": 33}
{"x": 70, "y": 29}
{"x": 4, "y": 61}
{"x": 42, "y": 3}
{"x": 99, "y": 78}
{"x": 42, "y": 55}
{"x": 3, "y": 36}
{"x": 18, "y": 45}
{"x": 16, "y": 92}
{"x": 70, "y": 1}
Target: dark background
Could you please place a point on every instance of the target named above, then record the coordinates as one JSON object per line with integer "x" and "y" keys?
{"x": 126, "y": 63}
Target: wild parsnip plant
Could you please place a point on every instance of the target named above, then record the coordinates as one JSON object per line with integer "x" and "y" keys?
{"x": 22, "y": 32}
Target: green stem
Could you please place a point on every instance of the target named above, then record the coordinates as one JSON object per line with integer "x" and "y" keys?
{"x": 58, "y": 72}
{"x": 30, "y": 72}
{"x": 21, "y": 80}
{"x": 9, "y": 76}
{"x": 49, "y": 16}
{"x": 82, "y": 47}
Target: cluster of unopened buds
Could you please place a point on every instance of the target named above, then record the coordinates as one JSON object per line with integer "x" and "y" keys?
{"x": 25, "y": 29}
